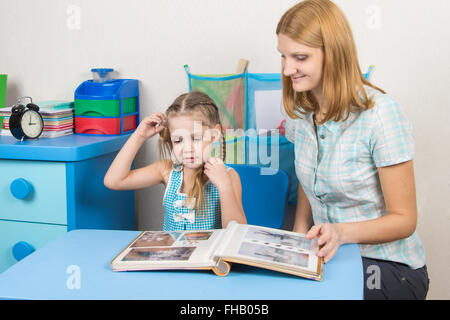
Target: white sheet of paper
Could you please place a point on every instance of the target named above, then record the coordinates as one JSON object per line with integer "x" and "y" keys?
{"x": 268, "y": 109}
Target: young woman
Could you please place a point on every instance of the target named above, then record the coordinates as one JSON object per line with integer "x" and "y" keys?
{"x": 353, "y": 153}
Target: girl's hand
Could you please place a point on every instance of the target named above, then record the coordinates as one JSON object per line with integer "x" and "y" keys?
{"x": 217, "y": 173}
{"x": 329, "y": 239}
{"x": 151, "y": 125}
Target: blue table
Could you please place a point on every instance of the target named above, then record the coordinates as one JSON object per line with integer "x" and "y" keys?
{"x": 76, "y": 266}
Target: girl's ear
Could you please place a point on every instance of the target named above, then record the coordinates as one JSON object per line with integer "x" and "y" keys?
{"x": 163, "y": 134}
{"x": 165, "y": 144}
{"x": 213, "y": 134}
{"x": 217, "y": 133}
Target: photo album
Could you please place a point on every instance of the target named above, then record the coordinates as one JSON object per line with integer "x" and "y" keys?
{"x": 268, "y": 248}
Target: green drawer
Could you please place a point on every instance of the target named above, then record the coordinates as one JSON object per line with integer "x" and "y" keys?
{"x": 104, "y": 108}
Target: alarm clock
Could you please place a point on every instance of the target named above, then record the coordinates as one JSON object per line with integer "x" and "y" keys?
{"x": 26, "y": 122}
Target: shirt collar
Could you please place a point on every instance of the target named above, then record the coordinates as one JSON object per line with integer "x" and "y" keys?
{"x": 330, "y": 125}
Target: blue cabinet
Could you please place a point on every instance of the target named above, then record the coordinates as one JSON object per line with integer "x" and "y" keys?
{"x": 51, "y": 186}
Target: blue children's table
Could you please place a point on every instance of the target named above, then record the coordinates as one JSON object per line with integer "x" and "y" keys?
{"x": 76, "y": 266}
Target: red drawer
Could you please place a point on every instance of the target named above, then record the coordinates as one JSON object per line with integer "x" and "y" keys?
{"x": 104, "y": 125}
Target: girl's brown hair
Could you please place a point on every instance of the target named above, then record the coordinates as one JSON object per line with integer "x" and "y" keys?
{"x": 188, "y": 104}
{"x": 321, "y": 24}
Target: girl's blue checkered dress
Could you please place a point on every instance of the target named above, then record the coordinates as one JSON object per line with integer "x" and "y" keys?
{"x": 177, "y": 212}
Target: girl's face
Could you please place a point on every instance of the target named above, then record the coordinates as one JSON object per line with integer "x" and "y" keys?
{"x": 303, "y": 64}
{"x": 192, "y": 140}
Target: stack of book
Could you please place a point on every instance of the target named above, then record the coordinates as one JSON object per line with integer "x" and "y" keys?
{"x": 58, "y": 118}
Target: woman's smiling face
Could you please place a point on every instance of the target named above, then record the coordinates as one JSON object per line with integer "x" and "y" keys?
{"x": 302, "y": 64}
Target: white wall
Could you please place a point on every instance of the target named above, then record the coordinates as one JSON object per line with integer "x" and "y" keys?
{"x": 49, "y": 46}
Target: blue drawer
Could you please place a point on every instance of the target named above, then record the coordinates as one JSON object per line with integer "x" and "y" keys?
{"x": 33, "y": 191}
{"x": 19, "y": 238}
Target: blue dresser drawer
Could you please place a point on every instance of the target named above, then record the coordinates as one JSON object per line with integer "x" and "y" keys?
{"x": 33, "y": 191}
{"x": 18, "y": 239}
{"x": 50, "y": 186}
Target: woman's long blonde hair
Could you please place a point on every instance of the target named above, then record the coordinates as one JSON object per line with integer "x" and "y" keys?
{"x": 321, "y": 24}
{"x": 194, "y": 102}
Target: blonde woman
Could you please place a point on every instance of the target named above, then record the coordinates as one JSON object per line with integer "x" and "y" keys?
{"x": 201, "y": 192}
{"x": 354, "y": 152}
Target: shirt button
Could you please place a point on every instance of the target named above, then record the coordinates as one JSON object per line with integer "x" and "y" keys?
{"x": 322, "y": 136}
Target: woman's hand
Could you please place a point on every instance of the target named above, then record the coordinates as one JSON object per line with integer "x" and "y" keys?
{"x": 151, "y": 125}
{"x": 329, "y": 239}
{"x": 217, "y": 173}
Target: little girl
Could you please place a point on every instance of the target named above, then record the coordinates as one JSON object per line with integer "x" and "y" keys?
{"x": 201, "y": 192}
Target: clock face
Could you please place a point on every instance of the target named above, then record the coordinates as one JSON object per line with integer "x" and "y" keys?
{"x": 32, "y": 124}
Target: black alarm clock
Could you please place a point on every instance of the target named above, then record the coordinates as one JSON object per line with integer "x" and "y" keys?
{"x": 26, "y": 122}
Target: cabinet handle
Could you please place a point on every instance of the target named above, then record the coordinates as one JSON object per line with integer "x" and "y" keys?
{"x": 20, "y": 188}
{"x": 22, "y": 249}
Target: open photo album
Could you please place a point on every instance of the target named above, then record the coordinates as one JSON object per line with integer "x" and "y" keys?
{"x": 268, "y": 248}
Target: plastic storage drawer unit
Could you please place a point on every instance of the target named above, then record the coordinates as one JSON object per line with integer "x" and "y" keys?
{"x": 107, "y": 108}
